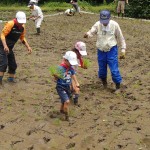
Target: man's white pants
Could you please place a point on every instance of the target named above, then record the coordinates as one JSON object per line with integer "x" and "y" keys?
{"x": 38, "y": 22}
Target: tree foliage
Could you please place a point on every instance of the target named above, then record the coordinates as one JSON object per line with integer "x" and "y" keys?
{"x": 138, "y": 9}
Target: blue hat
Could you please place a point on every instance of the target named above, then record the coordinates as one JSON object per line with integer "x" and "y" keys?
{"x": 104, "y": 16}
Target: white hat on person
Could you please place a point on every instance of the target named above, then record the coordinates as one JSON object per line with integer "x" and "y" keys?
{"x": 81, "y": 47}
{"x": 21, "y": 17}
{"x": 71, "y": 57}
{"x": 33, "y": 1}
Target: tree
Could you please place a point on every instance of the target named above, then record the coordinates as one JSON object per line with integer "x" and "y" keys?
{"x": 138, "y": 9}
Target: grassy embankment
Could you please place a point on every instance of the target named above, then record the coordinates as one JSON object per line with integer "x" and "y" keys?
{"x": 59, "y": 6}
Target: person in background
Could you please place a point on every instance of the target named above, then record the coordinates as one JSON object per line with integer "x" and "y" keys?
{"x": 63, "y": 84}
{"x": 36, "y": 16}
{"x": 108, "y": 33}
{"x": 70, "y": 12}
{"x": 80, "y": 50}
{"x": 12, "y": 31}
{"x": 121, "y": 7}
{"x": 74, "y": 3}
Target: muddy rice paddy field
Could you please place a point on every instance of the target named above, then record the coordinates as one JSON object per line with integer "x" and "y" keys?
{"x": 29, "y": 118}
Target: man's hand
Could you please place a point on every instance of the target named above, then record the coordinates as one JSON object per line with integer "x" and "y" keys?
{"x": 6, "y": 49}
{"x": 122, "y": 56}
{"x": 34, "y": 18}
{"x": 29, "y": 50}
{"x": 127, "y": 2}
{"x": 85, "y": 35}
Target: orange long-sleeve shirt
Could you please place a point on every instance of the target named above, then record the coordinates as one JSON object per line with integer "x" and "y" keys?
{"x": 11, "y": 33}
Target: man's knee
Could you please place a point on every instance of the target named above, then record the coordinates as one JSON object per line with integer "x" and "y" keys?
{"x": 3, "y": 66}
{"x": 12, "y": 69}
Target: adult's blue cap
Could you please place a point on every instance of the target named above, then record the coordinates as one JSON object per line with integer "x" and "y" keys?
{"x": 105, "y": 16}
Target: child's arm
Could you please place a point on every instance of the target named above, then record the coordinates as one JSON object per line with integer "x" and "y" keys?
{"x": 75, "y": 80}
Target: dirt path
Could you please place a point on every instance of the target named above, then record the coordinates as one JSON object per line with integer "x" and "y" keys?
{"x": 105, "y": 121}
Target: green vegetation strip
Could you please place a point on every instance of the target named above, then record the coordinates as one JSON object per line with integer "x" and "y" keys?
{"x": 59, "y": 6}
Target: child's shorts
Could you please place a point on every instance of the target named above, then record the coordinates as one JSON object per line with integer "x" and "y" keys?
{"x": 64, "y": 93}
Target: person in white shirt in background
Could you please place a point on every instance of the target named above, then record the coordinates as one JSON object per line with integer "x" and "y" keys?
{"x": 69, "y": 12}
{"x": 37, "y": 16}
{"x": 108, "y": 33}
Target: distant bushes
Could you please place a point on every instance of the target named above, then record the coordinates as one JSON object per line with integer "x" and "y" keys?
{"x": 135, "y": 9}
{"x": 138, "y": 9}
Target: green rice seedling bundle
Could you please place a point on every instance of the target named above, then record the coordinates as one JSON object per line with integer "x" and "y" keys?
{"x": 55, "y": 71}
{"x": 86, "y": 63}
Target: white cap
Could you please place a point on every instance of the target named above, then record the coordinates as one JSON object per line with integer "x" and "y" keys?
{"x": 71, "y": 57}
{"x": 81, "y": 47}
{"x": 21, "y": 17}
{"x": 33, "y": 1}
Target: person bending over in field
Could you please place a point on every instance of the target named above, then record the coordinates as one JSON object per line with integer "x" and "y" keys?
{"x": 12, "y": 31}
{"x": 80, "y": 50}
{"x": 37, "y": 16}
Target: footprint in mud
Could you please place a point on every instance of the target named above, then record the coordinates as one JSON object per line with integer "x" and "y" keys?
{"x": 31, "y": 148}
{"x": 55, "y": 114}
{"x": 2, "y": 127}
{"x": 46, "y": 139}
{"x": 73, "y": 135}
{"x": 70, "y": 145}
{"x": 118, "y": 123}
{"x": 15, "y": 142}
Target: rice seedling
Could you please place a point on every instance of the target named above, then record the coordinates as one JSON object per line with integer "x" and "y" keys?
{"x": 56, "y": 72}
{"x": 86, "y": 63}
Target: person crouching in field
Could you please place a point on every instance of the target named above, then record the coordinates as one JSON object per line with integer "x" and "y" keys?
{"x": 12, "y": 31}
{"x": 70, "y": 12}
{"x": 80, "y": 50}
{"x": 37, "y": 16}
{"x": 63, "y": 84}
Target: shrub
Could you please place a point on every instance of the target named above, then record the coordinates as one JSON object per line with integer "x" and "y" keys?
{"x": 138, "y": 9}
